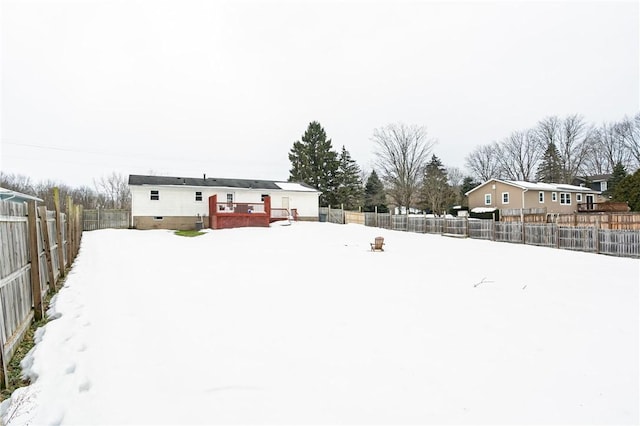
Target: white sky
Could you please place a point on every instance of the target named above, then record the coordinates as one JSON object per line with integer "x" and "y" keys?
{"x": 225, "y": 87}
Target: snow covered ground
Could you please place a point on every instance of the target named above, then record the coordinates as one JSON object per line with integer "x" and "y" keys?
{"x": 303, "y": 324}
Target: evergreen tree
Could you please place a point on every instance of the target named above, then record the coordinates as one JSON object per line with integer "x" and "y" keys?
{"x": 550, "y": 169}
{"x": 467, "y": 185}
{"x": 314, "y": 162}
{"x": 374, "y": 195}
{"x": 619, "y": 173}
{"x": 436, "y": 194}
{"x": 349, "y": 185}
{"x": 628, "y": 189}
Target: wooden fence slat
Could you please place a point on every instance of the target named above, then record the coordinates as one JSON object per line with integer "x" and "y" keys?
{"x": 44, "y": 227}
{"x": 69, "y": 231}
{"x": 35, "y": 261}
{"x": 60, "y": 244}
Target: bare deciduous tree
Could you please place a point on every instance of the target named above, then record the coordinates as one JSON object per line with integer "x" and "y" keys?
{"x": 402, "y": 152}
{"x": 456, "y": 177}
{"x": 629, "y": 130}
{"x": 607, "y": 147}
{"x": 574, "y": 146}
{"x": 519, "y": 155}
{"x": 484, "y": 163}
{"x": 44, "y": 190}
{"x": 548, "y": 131}
{"x": 115, "y": 189}
{"x": 570, "y": 136}
{"x": 85, "y": 196}
{"x": 17, "y": 183}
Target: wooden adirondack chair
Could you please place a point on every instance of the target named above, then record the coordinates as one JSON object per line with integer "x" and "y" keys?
{"x": 377, "y": 244}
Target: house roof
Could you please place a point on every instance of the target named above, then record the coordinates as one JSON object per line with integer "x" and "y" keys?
{"x": 8, "y": 194}
{"x": 219, "y": 183}
{"x": 538, "y": 186}
{"x": 594, "y": 178}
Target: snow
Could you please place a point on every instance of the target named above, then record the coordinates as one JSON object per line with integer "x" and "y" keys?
{"x": 549, "y": 186}
{"x": 292, "y": 186}
{"x": 303, "y": 324}
{"x": 483, "y": 209}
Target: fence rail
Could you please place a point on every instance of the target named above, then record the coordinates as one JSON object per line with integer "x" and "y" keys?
{"x": 593, "y": 239}
{"x": 36, "y": 248}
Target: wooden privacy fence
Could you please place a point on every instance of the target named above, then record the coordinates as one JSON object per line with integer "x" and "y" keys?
{"x": 36, "y": 248}
{"x": 330, "y": 214}
{"x": 608, "y": 220}
{"x": 105, "y": 218}
{"x": 623, "y": 243}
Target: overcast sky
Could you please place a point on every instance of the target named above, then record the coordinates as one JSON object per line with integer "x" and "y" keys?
{"x": 225, "y": 88}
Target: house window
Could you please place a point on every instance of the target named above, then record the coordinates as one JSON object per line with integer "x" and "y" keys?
{"x": 155, "y": 195}
{"x": 541, "y": 197}
{"x": 505, "y": 198}
{"x": 603, "y": 186}
{"x": 487, "y": 199}
{"x": 554, "y": 197}
{"x": 578, "y": 198}
{"x": 158, "y": 218}
{"x": 229, "y": 198}
{"x": 565, "y": 198}
{"x": 198, "y": 195}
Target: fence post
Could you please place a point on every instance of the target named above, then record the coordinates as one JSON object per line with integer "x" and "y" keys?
{"x": 493, "y": 227}
{"x": 44, "y": 228}
{"x": 56, "y": 202}
{"x": 597, "y": 235}
{"x": 69, "y": 210}
{"x": 35, "y": 260}
{"x": 78, "y": 230}
{"x": 375, "y": 209}
{"x": 466, "y": 226}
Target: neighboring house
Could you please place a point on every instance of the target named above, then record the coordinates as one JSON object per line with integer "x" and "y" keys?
{"x": 512, "y": 197}
{"x": 17, "y": 197}
{"x": 168, "y": 202}
{"x": 595, "y": 182}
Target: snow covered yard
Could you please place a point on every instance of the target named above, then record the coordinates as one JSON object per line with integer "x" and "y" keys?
{"x": 303, "y": 324}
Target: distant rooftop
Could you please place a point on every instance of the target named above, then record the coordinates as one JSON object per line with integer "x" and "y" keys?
{"x": 8, "y": 194}
{"x": 539, "y": 186}
{"x": 219, "y": 182}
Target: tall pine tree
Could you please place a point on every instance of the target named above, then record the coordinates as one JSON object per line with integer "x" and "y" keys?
{"x": 628, "y": 189}
{"x": 314, "y": 162}
{"x": 436, "y": 194}
{"x": 550, "y": 169}
{"x": 467, "y": 185}
{"x": 619, "y": 173}
{"x": 349, "y": 186}
{"x": 374, "y": 195}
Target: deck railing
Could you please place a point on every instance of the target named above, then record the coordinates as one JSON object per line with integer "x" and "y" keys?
{"x": 235, "y": 208}
{"x": 607, "y": 206}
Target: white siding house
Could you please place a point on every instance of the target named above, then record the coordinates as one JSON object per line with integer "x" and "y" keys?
{"x": 177, "y": 202}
